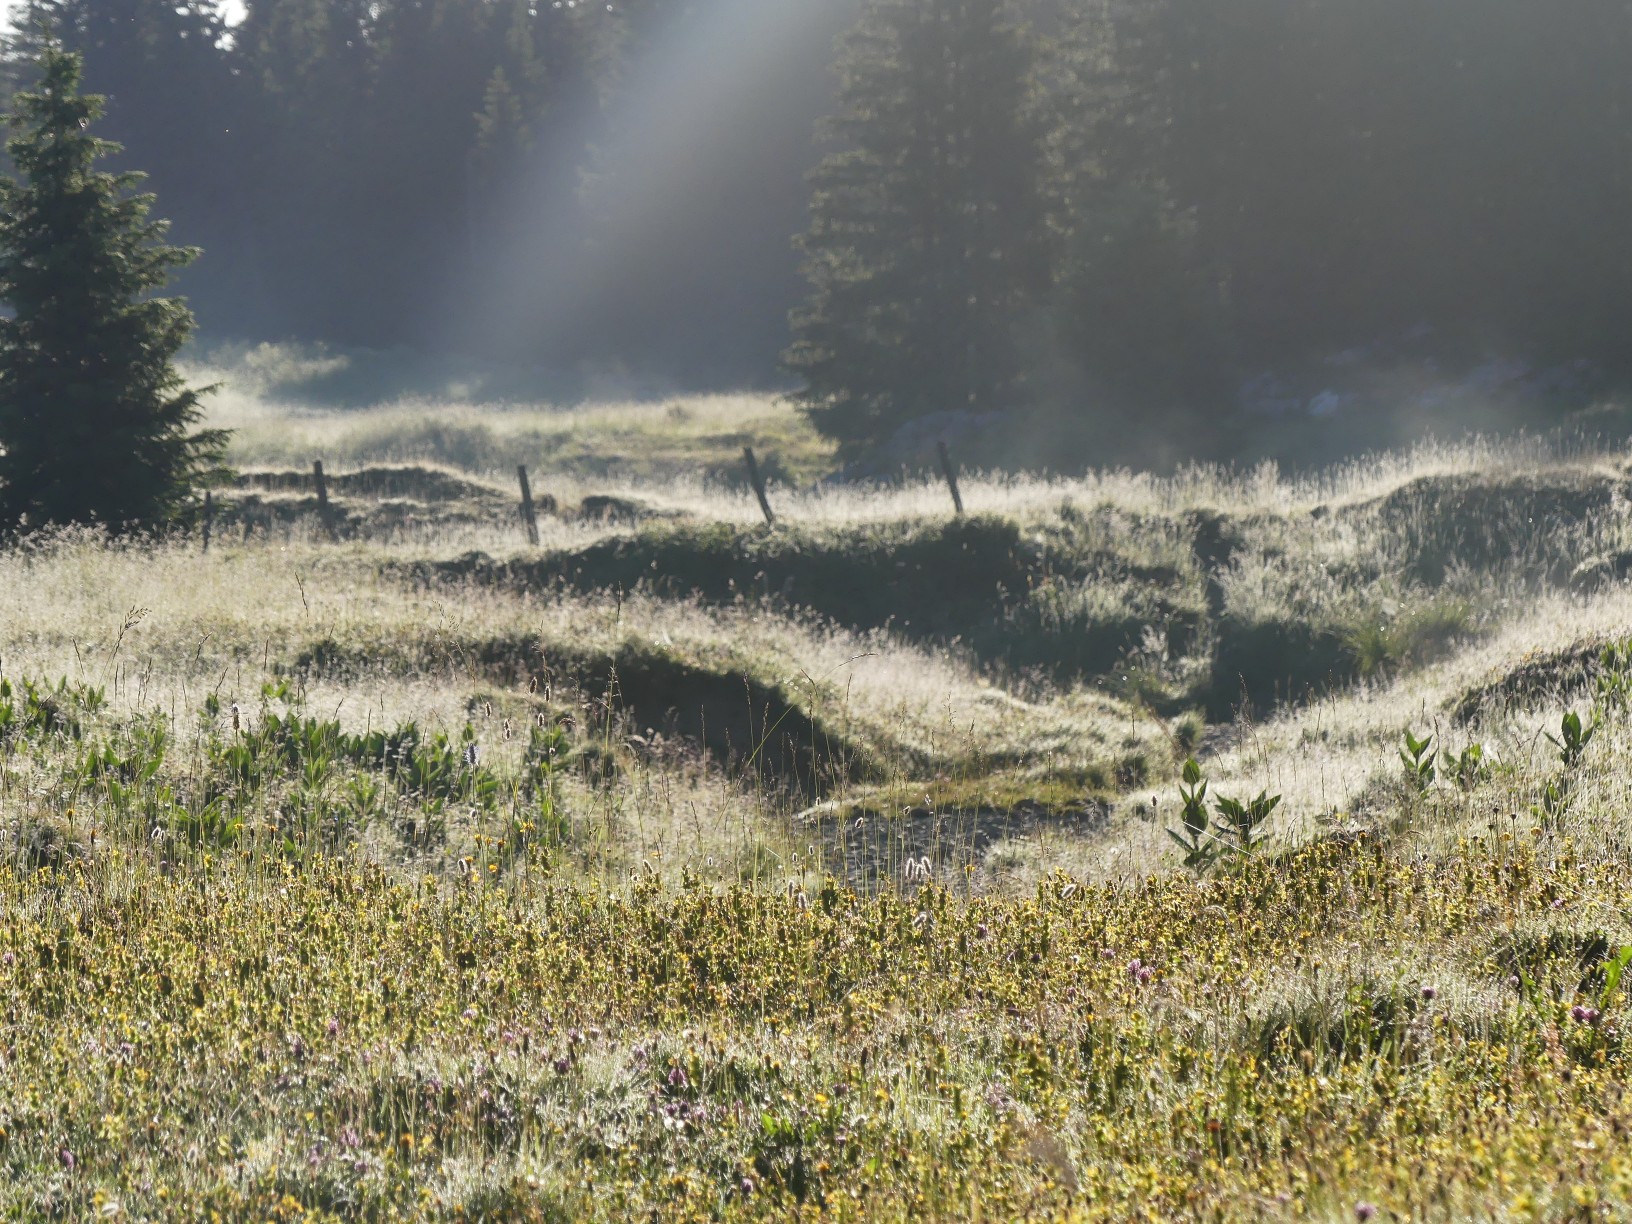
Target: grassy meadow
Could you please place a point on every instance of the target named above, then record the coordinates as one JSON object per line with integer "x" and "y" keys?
{"x": 682, "y": 868}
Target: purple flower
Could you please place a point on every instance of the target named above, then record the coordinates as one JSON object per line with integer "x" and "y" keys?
{"x": 562, "y": 1065}
{"x": 1584, "y": 1015}
{"x": 67, "y": 1159}
{"x": 333, "y": 1027}
{"x": 677, "y": 1079}
{"x": 1364, "y": 1212}
{"x": 1429, "y": 993}
{"x": 747, "y": 1186}
{"x": 1145, "y": 974}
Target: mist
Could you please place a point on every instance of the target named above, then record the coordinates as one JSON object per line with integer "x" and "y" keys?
{"x": 1295, "y": 231}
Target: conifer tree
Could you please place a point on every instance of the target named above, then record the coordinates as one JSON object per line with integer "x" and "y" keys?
{"x": 926, "y": 250}
{"x": 96, "y": 425}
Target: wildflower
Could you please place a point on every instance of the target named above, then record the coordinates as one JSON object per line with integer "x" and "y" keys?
{"x": 470, "y": 1015}
{"x": 333, "y": 1028}
{"x": 67, "y": 1159}
{"x": 747, "y": 1186}
{"x": 1429, "y": 994}
{"x": 677, "y": 1079}
{"x": 1584, "y": 1015}
{"x": 473, "y": 755}
{"x": 8, "y": 960}
{"x": 982, "y": 931}
{"x": 1133, "y": 968}
{"x": 1364, "y": 1212}
{"x": 1146, "y": 973}
{"x": 562, "y": 1065}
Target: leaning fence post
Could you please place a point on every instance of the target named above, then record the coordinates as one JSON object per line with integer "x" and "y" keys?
{"x": 209, "y": 517}
{"x": 759, "y": 485}
{"x": 528, "y": 515}
{"x": 323, "y": 511}
{"x": 951, "y": 474}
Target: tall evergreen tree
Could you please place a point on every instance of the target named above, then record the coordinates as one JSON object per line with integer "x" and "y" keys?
{"x": 926, "y": 252}
{"x": 96, "y": 425}
{"x": 1137, "y": 309}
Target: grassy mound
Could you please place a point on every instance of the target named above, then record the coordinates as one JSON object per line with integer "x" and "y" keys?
{"x": 1551, "y": 676}
{"x": 1485, "y": 522}
{"x": 755, "y": 725}
{"x": 1023, "y": 600}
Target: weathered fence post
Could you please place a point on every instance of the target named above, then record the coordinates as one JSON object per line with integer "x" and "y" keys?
{"x": 951, "y": 474}
{"x": 323, "y": 510}
{"x": 529, "y": 516}
{"x": 209, "y": 517}
{"x": 759, "y": 485}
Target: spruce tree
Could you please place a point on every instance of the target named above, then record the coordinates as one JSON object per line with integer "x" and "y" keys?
{"x": 96, "y": 425}
{"x": 927, "y": 247}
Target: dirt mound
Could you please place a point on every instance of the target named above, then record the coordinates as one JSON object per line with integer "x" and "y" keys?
{"x": 750, "y": 724}
{"x": 1541, "y": 676}
{"x": 979, "y": 582}
{"x": 606, "y": 508}
{"x": 424, "y": 484}
{"x": 1484, "y": 522}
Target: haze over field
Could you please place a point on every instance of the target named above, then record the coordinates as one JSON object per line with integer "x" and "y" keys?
{"x": 1338, "y": 227}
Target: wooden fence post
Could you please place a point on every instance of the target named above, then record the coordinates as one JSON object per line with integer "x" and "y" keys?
{"x": 529, "y": 516}
{"x": 759, "y": 485}
{"x": 323, "y": 511}
{"x": 209, "y": 517}
{"x": 951, "y": 474}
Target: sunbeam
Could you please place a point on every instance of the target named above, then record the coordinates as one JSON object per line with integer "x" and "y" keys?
{"x": 679, "y": 197}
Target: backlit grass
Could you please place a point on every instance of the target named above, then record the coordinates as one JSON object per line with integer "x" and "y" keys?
{"x": 687, "y": 869}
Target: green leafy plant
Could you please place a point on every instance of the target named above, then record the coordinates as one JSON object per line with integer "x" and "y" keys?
{"x": 1418, "y": 758}
{"x": 1614, "y": 969}
{"x": 1572, "y": 738}
{"x": 38, "y": 711}
{"x": 1467, "y": 768}
{"x": 1614, "y": 687}
{"x": 1239, "y": 822}
{"x": 1555, "y": 801}
{"x": 1197, "y": 842}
